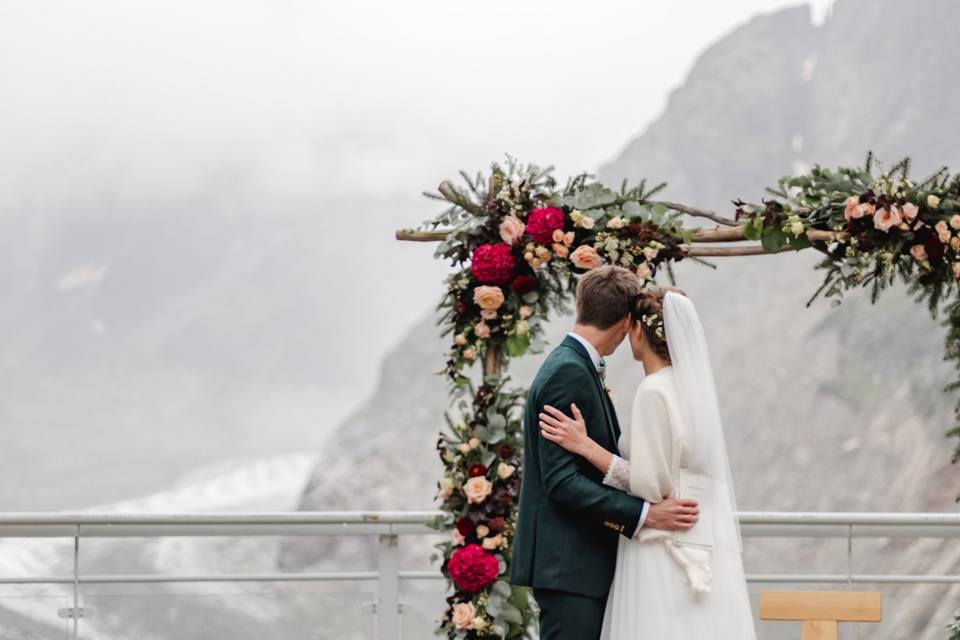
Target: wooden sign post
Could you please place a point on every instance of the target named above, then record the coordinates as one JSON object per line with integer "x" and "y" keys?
{"x": 821, "y": 611}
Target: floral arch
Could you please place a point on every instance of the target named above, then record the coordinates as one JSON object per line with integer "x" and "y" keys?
{"x": 517, "y": 239}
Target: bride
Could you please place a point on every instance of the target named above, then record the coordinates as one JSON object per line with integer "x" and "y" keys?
{"x": 669, "y": 585}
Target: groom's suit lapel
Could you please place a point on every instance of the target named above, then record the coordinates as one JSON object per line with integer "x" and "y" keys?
{"x": 610, "y": 417}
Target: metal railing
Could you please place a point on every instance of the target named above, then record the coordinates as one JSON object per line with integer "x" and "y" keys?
{"x": 388, "y": 526}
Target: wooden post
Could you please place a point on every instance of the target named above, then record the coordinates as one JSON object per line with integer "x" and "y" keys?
{"x": 821, "y": 611}
{"x": 492, "y": 361}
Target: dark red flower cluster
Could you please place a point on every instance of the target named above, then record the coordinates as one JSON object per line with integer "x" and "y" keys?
{"x": 492, "y": 264}
{"x": 471, "y": 568}
{"x": 477, "y": 470}
{"x": 524, "y": 284}
{"x": 541, "y": 223}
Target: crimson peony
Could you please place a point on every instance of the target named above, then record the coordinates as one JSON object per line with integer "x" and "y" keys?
{"x": 471, "y": 568}
{"x": 541, "y": 223}
{"x": 492, "y": 264}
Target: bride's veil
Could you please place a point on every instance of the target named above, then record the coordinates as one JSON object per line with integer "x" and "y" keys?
{"x": 698, "y": 399}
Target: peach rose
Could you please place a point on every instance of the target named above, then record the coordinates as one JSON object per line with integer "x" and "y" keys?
{"x": 918, "y": 252}
{"x": 868, "y": 209}
{"x": 955, "y": 222}
{"x": 482, "y": 330}
{"x": 644, "y": 272}
{"x": 560, "y": 250}
{"x": 585, "y": 257}
{"x": 511, "y": 229}
{"x": 568, "y": 238}
{"x": 557, "y": 235}
{"x": 492, "y": 543}
{"x": 536, "y": 263}
{"x": 910, "y": 211}
{"x": 933, "y": 201}
{"x": 543, "y": 253}
{"x": 852, "y": 209}
{"x": 956, "y": 269}
{"x": 488, "y": 314}
{"x": 446, "y": 488}
{"x": 488, "y": 297}
{"x": 505, "y": 470}
{"x": 463, "y": 447}
{"x": 482, "y": 530}
{"x": 615, "y": 223}
{"x": 459, "y": 339}
{"x": 526, "y": 312}
{"x": 650, "y": 253}
{"x": 469, "y": 353}
{"x": 456, "y": 537}
{"x": 885, "y": 219}
{"x": 477, "y": 489}
{"x": 463, "y": 615}
{"x": 474, "y": 442}
{"x": 587, "y": 222}
{"x": 943, "y": 232}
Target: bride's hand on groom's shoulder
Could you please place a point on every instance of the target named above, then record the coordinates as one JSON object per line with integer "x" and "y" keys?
{"x": 673, "y": 514}
{"x": 569, "y": 433}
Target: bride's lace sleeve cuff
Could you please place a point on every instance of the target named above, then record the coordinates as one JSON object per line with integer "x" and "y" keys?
{"x": 618, "y": 474}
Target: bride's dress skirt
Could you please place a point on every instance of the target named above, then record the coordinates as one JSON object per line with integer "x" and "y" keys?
{"x": 650, "y": 599}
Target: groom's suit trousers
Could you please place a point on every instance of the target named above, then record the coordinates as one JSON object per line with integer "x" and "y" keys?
{"x": 569, "y": 616}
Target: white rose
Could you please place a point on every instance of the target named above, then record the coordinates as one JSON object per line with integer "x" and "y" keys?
{"x": 933, "y": 201}
{"x": 446, "y": 488}
{"x": 587, "y": 222}
{"x": 615, "y": 222}
{"x": 505, "y": 470}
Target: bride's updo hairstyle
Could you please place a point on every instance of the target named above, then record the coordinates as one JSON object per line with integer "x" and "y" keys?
{"x": 647, "y": 310}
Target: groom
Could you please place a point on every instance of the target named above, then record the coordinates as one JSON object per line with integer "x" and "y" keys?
{"x": 566, "y": 537}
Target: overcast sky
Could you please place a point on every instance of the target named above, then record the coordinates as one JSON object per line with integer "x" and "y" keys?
{"x": 344, "y": 111}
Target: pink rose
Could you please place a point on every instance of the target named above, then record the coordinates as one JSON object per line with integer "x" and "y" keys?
{"x": 561, "y": 250}
{"x": 644, "y": 272}
{"x": 585, "y": 257}
{"x": 956, "y": 269}
{"x": 525, "y": 312}
{"x": 910, "y": 211}
{"x": 492, "y": 543}
{"x": 885, "y": 219}
{"x": 482, "y": 530}
{"x": 488, "y": 297}
{"x": 868, "y": 209}
{"x": 919, "y": 252}
{"x": 456, "y": 537}
{"x": 488, "y": 314}
{"x": 557, "y": 235}
{"x": 459, "y": 339}
{"x": 482, "y": 330}
{"x": 477, "y": 489}
{"x": 852, "y": 209}
{"x": 568, "y": 238}
{"x": 463, "y": 615}
{"x": 470, "y": 353}
{"x": 511, "y": 229}
{"x": 943, "y": 232}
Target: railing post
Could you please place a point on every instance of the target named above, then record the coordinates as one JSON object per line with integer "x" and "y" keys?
{"x": 388, "y": 600}
{"x": 850, "y": 555}
{"x": 76, "y": 583}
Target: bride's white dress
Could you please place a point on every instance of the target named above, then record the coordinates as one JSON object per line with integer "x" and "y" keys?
{"x": 661, "y": 590}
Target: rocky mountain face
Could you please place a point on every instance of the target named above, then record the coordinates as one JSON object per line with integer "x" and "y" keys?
{"x": 825, "y": 409}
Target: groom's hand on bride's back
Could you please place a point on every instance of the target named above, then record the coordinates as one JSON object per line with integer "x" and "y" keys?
{"x": 673, "y": 514}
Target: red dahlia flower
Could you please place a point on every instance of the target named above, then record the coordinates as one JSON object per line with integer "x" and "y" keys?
{"x": 492, "y": 264}
{"x": 466, "y": 527}
{"x": 541, "y": 223}
{"x": 477, "y": 470}
{"x": 471, "y": 568}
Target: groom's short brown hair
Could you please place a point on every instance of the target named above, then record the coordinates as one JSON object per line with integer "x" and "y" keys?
{"x": 605, "y": 296}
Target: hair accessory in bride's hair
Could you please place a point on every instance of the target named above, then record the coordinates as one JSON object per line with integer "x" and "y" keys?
{"x": 655, "y": 322}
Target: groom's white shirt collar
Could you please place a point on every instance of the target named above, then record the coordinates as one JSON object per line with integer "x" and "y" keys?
{"x": 595, "y": 356}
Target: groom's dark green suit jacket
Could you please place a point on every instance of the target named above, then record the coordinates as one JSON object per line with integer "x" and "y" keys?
{"x": 566, "y": 536}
